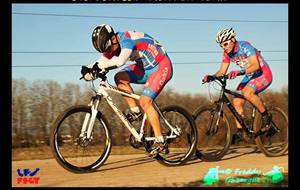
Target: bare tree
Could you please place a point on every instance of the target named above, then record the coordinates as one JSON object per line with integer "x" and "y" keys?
{"x": 36, "y": 105}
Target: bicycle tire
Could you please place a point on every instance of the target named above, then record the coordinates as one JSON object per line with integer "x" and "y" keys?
{"x": 183, "y": 147}
{"x": 63, "y": 132}
{"x": 281, "y": 121}
{"x": 206, "y": 150}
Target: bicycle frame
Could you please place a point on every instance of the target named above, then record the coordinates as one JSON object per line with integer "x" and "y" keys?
{"x": 224, "y": 99}
{"x": 88, "y": 123}
{"x": 256, "y": 131}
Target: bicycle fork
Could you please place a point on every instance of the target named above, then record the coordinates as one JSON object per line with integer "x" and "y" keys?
{"x": 214, "y": 120}
{"x": 89, "y": 120}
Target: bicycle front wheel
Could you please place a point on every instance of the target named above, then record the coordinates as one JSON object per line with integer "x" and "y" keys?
{"x": 274, "y": 142}
{"x": 181, "y": 148}
{"x": 214, "y": 133}
{"x": 70, "y": 147}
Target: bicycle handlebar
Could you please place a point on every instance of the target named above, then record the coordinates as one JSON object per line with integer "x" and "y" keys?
{"x": 99, "y": 74}
{"x": 225, "y": 77}
{"x": 102, "y": 74}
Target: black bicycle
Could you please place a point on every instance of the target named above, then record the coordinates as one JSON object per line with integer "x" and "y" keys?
{"x": 214, "y": 131}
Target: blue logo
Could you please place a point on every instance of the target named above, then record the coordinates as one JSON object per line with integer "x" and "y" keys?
{"x": 26, "y": 176}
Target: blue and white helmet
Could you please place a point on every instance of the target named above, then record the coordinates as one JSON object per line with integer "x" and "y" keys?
{"x": 225, "y": 34}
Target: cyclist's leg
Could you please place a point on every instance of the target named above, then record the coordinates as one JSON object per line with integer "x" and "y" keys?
{"x": 158, "y": 77}
{"x": 258, "y": 83}
{"x": 238, "y": 104}
{"x": 134, "y": 73}
{"x": 251, "y": 95}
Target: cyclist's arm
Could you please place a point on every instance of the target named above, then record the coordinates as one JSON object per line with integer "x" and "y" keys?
{"x": 224, "y": 66}
{"x": 115, "y": 61}
{"x": 101, "y": 59}
{"x": 250, "y": 52}
{"x": 253, "y": 64}
{"x": 223, "y": 69}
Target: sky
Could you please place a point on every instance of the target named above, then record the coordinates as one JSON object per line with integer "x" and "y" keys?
{"x": 187, "y": 31}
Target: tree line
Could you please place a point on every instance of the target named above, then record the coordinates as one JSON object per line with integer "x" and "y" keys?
{"x": 35, "y": 106}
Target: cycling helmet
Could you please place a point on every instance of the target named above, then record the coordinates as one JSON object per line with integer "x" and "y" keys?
{"x": 225, "y": 34}
{"x": 101, "y": 37}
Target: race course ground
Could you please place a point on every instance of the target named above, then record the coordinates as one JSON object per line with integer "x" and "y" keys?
{"x": 138, "y": 170}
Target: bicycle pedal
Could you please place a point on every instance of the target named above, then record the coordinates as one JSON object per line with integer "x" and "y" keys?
{"x": 152, "y": 155}
{"x": 166, "y": 151}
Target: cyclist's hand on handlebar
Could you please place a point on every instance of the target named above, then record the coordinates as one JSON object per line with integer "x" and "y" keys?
{"x": 90, "y": 73}
{"x": 86, "y": 73}
{"x": 85, "y": 70}
{"x": 208, "y": 78}
{"x": 96, "y": 69}
{"x": 235, "y": 73}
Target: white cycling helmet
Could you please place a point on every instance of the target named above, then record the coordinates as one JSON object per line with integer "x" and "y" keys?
{"x": 225, "y": 34}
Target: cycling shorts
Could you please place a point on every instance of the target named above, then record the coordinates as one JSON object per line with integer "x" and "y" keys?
{"x": 154, "y": 78}
{"x": 259, "y": 81}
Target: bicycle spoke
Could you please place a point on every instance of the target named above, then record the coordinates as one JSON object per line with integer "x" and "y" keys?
{"x": 274, "y": 142}
{"x": 74, "y": 151}
{"x": 182, "y": 146}
{"x": 213, "y": 140}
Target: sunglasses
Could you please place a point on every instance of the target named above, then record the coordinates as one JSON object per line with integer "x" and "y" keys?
{"x": 112, "y": 44}
{"x": 225, "y": 44}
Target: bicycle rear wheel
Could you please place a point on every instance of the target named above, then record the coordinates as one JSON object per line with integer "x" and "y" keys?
{"x": 213, "y": 140}
{"x": 273, "y": 142}
{"x": 181, "y": 148}
{"x": 76, "y": 153}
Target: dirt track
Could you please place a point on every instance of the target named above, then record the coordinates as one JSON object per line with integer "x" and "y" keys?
{"x": 137, "y": 170}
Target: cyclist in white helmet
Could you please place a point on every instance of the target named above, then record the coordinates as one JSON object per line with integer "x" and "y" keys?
{"x": 258, "y": 75}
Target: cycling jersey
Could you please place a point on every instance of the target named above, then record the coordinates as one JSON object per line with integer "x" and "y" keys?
{"x": 144, "y": 48}
{"x": 258, "y": 80}
{"x": 152, "y": 65}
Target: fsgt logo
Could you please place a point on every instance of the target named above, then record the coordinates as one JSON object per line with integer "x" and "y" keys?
{"x": 27, "y": 177}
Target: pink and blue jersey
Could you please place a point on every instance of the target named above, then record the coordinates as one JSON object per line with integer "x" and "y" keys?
{"x": 258, "y": 80}
{"x": 146, "y": 50}
{"x": 152, "y": 65}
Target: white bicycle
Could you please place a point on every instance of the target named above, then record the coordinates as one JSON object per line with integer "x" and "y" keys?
{"x": 81, "y": 139}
